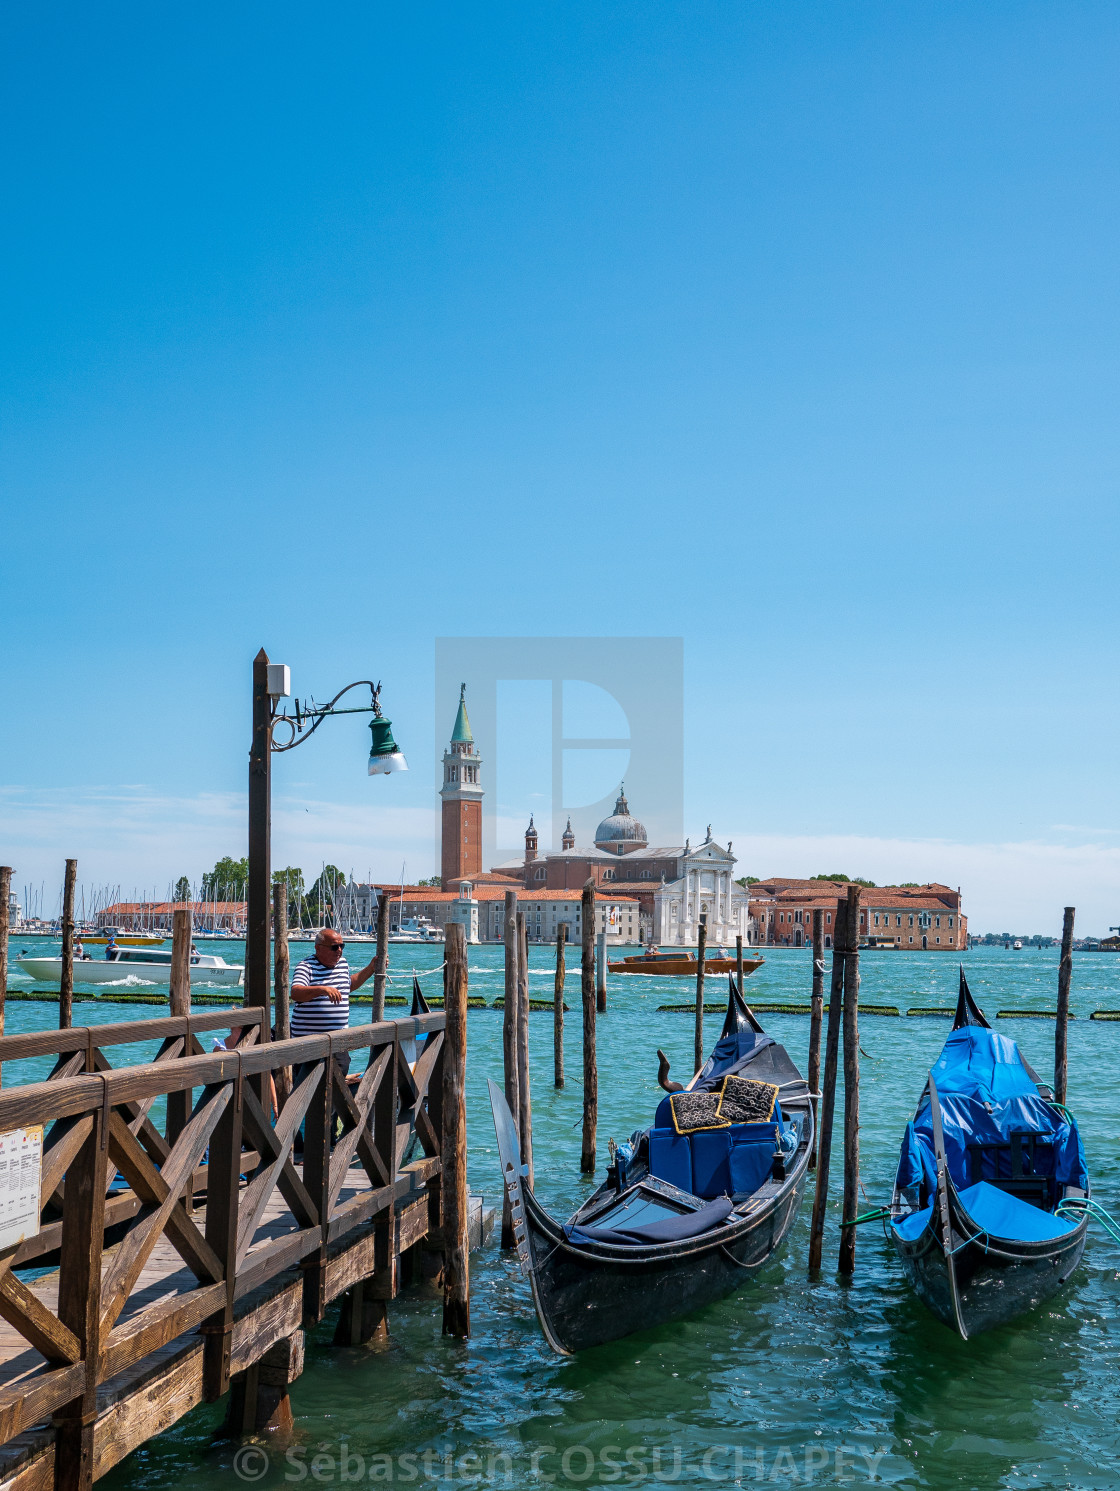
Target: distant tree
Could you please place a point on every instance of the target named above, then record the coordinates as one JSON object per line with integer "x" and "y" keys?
{"x": 846, "y": 880}
{"x": 908, "y": 885}
{"x": 321, "y": 897}
{"x": 748, "y": 880}
{"x": 227, "y": 881}
{"x": 435, "y": 880}
{"x": 182, "y": 889}
{"x": 292, "y": 877}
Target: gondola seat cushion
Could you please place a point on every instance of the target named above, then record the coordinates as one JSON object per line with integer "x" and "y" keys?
{"x": 670, "y": 1157}
{"x": 711, "y": 1169}
{"x": 751, "y": 1161}
{"x": 1001, "y": 1215}
{"x": 671, "y": 1229}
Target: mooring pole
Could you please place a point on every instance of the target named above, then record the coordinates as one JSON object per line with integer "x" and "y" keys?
{"x": 816, "y": 1017}
{"x": 601, "y": 974}
{"x": 587, "y": 989}
{"x": 259, "y": 889}
{"x": 179, "y": 1104}
{"x": 456, "y": 1243}
{"x": 847, "y": 1263}
{"x": 557, "y": 1008}
{"x": 179, "y": 999}
{"x": 739, "y": 961}
{"x": 5, "y": 925}
{"x": 381, "y": 967}
{"x": 280, "y": 985}
{"x": 1061, "y": 1025}
{"x": 509, "y": 1047}
{"x": 828, "y": 1088}
{"x": 698, "y": 1037}
{"x": 524, "y": 1100}
{"x": 66, "y": 981}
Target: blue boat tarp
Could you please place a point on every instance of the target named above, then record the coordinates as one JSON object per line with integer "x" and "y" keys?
{"x": 731, "y": 1052}
{"x": 987, "y": 1099}
{"x": 997, "y": 1214}
{"x": 670, "y": 1229}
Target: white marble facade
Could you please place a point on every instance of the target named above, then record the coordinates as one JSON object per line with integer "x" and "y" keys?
{"x": 706, "y": 887}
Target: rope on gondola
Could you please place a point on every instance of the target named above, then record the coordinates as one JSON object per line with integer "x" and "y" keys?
{"x": 414, "y": 972}
{"x": 1076, "y": 1207}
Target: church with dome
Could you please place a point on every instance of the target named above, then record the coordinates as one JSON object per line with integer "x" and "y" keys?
{"x": 674, "y": 884}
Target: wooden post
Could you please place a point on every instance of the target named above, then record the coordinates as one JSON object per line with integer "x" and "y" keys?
{"x": 851, "y": 1085}
{"x": 509, "y": 1046}
{"x": 179, "y": 1104}
{"x": 524, "y": 1101}
{"x": 5, "y": 924}
{"x": 816, "y": 1018}
{"x": 701, "y": 952}
{"x": 281, "y": 965}
{"x": 739, "y": 961}
{"x": 601, "y": 974}
{"x": 590, "y": 1068}
{"x": 828, "y": 1088}
{"x": 1061, "y": 1025}
{"x": 377, "y": 1012}
{"x": 557, "y": 1008}
{"x": 66, "y": 981}
{"x": 79, "y": 1301}
{"x": 456, "y": 1243}
{"x": 259, "y": 892}
{"x": 179, "y": 1001}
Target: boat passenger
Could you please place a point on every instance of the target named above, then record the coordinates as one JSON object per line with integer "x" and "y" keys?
{"x": 79, "y": 949}
{"x": 111, "y": 948}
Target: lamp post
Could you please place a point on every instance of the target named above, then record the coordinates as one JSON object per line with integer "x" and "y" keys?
{"x": 271, "y": 683}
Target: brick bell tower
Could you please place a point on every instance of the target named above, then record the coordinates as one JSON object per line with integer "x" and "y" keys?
{"x": 461, "y": 852}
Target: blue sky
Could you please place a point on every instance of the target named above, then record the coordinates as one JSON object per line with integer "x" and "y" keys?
{"x": 789, "y": 329}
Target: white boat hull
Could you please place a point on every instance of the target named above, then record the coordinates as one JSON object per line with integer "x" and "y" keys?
{"x": 99, "y": 971}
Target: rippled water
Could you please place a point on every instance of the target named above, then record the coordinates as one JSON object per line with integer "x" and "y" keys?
{"x": 787, "y": 1383}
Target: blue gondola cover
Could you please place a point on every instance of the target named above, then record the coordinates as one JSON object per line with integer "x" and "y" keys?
{"x": 988, "y": 1101}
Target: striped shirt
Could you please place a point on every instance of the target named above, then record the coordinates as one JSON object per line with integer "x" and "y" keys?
{"x": 313, "y": 1016}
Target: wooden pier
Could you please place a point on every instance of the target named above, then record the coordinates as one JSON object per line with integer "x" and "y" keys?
{"x": 182, "y": 1246}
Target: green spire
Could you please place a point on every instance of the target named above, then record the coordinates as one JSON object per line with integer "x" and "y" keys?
{"x": 461, "y": 734}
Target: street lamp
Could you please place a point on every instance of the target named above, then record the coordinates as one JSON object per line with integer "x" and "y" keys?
{"x": 271, "y": 683}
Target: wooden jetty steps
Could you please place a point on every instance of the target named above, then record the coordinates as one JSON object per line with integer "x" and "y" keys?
{"x": 178, "y": 1259}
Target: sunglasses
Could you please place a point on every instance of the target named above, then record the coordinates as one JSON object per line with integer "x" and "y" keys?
{"x": 333, "y": 947}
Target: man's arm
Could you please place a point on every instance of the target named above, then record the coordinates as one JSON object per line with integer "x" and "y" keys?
{"x": 301, "y": 993}
{"x": 358, "y": 979}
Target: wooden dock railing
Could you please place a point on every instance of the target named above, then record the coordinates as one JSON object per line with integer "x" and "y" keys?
{"x": 190, "y": 1237}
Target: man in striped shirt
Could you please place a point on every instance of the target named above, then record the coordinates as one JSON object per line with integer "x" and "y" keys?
{"x": 322, "y": 985}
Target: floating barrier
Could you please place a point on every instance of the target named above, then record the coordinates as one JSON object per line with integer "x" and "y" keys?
{"x": 921, "y": 1010}
{"x": 1105, "y": 1015}
{"x": 1029, "y": 1015}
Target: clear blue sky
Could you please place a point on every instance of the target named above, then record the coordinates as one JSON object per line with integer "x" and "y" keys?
{"x": 787, "y": 328}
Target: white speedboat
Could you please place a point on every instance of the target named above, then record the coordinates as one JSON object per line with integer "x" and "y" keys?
{"x": 140, "y": 965}
{"x": 416, "y": 929}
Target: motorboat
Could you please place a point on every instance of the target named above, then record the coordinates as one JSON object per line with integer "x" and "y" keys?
{"x": 142, "y": 965}
{"x": 991, "y": 1197}
{"x": 682, "y": 963}
{"x": 692, "y": 1206}
{"x": 416, "y": 929}
{"x": 101, "y": 937}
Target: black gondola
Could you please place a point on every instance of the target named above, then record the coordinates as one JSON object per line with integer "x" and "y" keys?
{"x": 685, "y": 1214}
{"x": 986, "y": 1161}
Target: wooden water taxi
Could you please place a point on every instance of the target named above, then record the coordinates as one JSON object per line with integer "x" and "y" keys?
{"x": 681, "y": 963}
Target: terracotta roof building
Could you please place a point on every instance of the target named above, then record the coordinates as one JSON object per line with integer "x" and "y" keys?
{"x": 911, "y": 918}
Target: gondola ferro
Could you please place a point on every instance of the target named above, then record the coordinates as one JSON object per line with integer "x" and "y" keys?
{"x": 691, "y": 1207}
{"x": 985, "y": 1163}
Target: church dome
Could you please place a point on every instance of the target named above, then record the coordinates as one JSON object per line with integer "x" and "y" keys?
{"x": 620, "y": 833}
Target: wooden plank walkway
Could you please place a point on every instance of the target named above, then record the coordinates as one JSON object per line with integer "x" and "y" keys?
{"x": 196, "y": 1277}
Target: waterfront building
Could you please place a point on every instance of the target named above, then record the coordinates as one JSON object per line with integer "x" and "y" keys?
{"x": 482, "y": 909}
{"x": 674, "y": 885}
{"x": 156, "y": 916}
{"x": 912, "y": 918}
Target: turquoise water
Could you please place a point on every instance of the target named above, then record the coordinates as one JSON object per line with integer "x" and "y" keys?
{"x": 789, "y": 1382}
